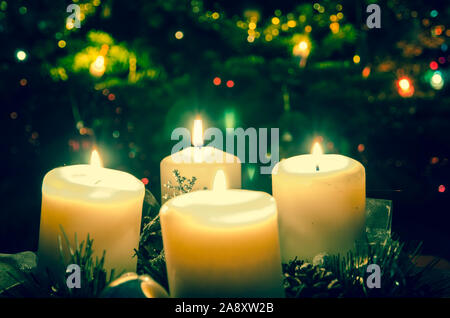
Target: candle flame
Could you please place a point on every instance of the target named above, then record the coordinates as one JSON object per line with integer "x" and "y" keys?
{"x": 197, "y": 136}
{"x": 96, "y": 161}
{"x": 220, "y": 182}
{"x": 317, "y": 149}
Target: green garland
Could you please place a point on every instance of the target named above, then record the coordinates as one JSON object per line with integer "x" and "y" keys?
{"x": 327, "y": 276}
{"x": 94, "y": 277}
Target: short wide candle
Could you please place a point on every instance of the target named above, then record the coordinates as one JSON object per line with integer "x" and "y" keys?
{"x": 222, "y": 243}
{"x": 321, "y": 204}
{"x": 101, "y": 202}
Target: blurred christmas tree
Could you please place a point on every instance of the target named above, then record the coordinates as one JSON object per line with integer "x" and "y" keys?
{"x": 135, "y": 70}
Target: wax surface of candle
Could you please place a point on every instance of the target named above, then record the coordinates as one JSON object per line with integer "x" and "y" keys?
{"x": 222, "y": 244}
{"x": 321, "y": 204}
{"x": 84, "y": 199}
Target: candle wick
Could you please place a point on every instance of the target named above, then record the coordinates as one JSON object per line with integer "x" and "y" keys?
{"x": 317, "y": 168}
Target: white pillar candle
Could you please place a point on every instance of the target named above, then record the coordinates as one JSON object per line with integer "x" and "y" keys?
{"x": 321, "y": 204}
{"x": 89, "y": 199}
{"x": 201, "y": 163}
{"x": 222, "y": 243}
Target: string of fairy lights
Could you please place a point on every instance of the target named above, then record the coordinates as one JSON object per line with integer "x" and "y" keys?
{"x": 295, "y": 30}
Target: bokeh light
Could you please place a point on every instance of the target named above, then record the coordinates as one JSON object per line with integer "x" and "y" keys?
{"x": 437, "y": 81}
{"x": 62, "y": 44}
{"x": 405, "y": 87}
{"x": 21, "y": 55}
{"x": 434, "y": 65}
{"x": 179, "y": 35}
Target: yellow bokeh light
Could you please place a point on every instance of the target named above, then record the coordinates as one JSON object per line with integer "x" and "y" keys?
{"x": 252, "y": 25}
{"x": 215, "y": 15}
{"x": 303, "y": 45}
{"x": 179, "y": 35}
{"x": 291, "y": 24}
{"x": 404, "y": 84}
{"x": 356, "y": 59}
{"x": 268, "y": 37}
{"x": 21, "y": 55}
{"x": 302, "y": 48}
{"x": 69, "y": 25}
{"x": 250, "y": 38}
{"x": 62, "y": 44}
{"x": 405, "y": 87}
{"x": 308, "y": 29}
{"x": 275, "y": 20}
{"x": 97, "y": 67}
{"x": 334, "y": 27}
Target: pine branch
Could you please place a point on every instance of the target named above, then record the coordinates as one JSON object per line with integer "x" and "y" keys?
{"x": 45, "y": 284}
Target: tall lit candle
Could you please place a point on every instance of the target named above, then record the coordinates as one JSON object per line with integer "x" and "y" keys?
{"x": 90, "y": 199}
{"x": 199, "y": 162}
{"x": 222, "y": 243}
{"x": 321, "y": 203}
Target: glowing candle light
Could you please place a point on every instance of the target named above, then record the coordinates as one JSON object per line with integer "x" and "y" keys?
{"x": 197, "y": 136}
{"x": 200, "y": 162}
{"x": 317, "y": 152}
{"x": 222, "y": 243}
{"x": 321, "y": 203}
{"x": 90, "y": 199}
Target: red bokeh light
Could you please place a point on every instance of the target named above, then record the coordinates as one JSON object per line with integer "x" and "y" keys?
{"x": 361, "y": 147}
{"x": 230, "y": 83}
{"x": 217, "y": 81}
{"x": 434, "y": 65}
{"x": 145, "y": 181}
{"x": 441, "y": 188}
{"x": 111, "y": 97}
